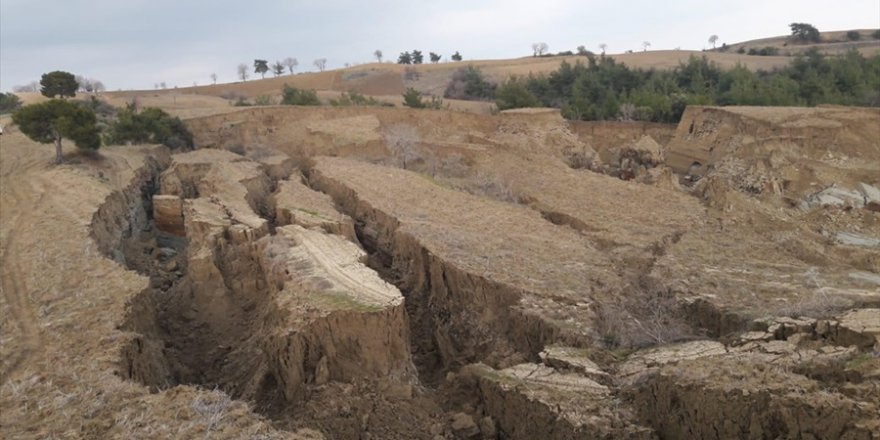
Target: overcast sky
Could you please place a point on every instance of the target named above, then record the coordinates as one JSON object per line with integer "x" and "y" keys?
{"x": 133, "y": 44}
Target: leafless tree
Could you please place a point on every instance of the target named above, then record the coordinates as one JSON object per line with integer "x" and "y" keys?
{"x": 712, "y": 40}
{"x": 243, "y": 72}
{"x": 291, "y": 64}
{"x": 162, "y": 85}
{"x": 321, "y": 63}
{"x": 403, "y": 143}
{"x": 539, "y": 49}
{"x": 603, "y": 46}
{"x": 378, "y": 55}
{"x": 214, "y": 78}
{"x": 645, "y": 46}
{"x": 627, "y": 112}
{"x": 32, "y": 86}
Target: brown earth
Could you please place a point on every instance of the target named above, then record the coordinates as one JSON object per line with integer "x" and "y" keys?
{"x": 399, "y": 273}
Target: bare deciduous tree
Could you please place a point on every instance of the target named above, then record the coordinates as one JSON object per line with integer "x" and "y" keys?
{"x": 603, "y": 46}
{"x": 291, "y": 64}
{"x": 33, "y": 86}
{"x": 378, "y": 55}
{"x": 243, "y": 72}
{"x": 214, "y": 78}
{"x": 403, "y": 144}
{"x": 321, "y": 63}
{"x": 712, "y": 40}
{"x": 645, "y": 46}
{"x": 539, "y": 49}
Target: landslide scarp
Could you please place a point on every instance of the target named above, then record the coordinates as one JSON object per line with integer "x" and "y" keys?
{"x": 262, "y": 315}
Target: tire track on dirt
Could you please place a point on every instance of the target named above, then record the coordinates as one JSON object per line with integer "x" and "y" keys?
{"x": 16, "y": 181}
{"x": 14, "y": 292}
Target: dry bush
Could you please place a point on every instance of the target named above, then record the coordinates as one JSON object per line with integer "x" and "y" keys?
{"x": 817, "y": 304}
{"x": 403, "y": 143}
{"x": 494, "y": 187}
{"x": 642, "y": 318}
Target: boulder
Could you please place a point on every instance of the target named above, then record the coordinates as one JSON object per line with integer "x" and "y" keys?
{"x": 871, "y": 194}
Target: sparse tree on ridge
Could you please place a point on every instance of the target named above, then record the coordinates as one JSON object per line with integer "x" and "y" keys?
{"x": 214, "y": 78}
{"x": 47, "y": 122}
{"x": 163, "y": 85}
{"x": 417, "y": 57}
{"x": 378, "y": 55}
{"x": 243, "y": 72}
{"x": 539, "y": 49}
{"x": 291, "y": 64}
{"x": 603, "y": 46}
{"x": 712, "y": 40}
{"x": 58, "y": 83}
{"x": 278, "y": 68}
{"x": 435, "y": 58}
{"x": 404, "y": 58}
{"x": 645, "y": 46}
{"x": 321, "y": 63}
{"x": 456, "y": 56}
{"x": 261, "y": 67}
{"x": 805, "y": 32}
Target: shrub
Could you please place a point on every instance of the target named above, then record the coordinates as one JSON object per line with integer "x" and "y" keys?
{"x": 468, "y": 83}
{"x": 764, "y": 51}
{"x": 9, "y": 102}
{"x": 853, "y": 36}
{"x": 232, "y": 96}
{"x": 413, "y": 98}
{"x": 514, "y": 94}
{"x": 353, "y": 98}
{"x": 263, "y": 100}
{"x": 293, "y": 96}
{"x": 150, "y": 126}
{"x": 876, "y": 34}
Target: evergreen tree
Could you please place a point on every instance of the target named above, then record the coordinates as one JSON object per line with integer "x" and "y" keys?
{"x": 58, "y": 83}
{"x": 49, "y": 121}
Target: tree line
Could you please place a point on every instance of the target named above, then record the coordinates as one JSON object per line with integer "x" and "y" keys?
{"x": 603, "y": 89}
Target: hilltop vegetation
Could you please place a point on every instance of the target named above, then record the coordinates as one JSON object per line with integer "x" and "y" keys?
{"x": 603, "y": 89}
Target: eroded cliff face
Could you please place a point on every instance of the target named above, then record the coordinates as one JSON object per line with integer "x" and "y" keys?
{"x": 778, "y": 151}
{"x": 253, "y": 310}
